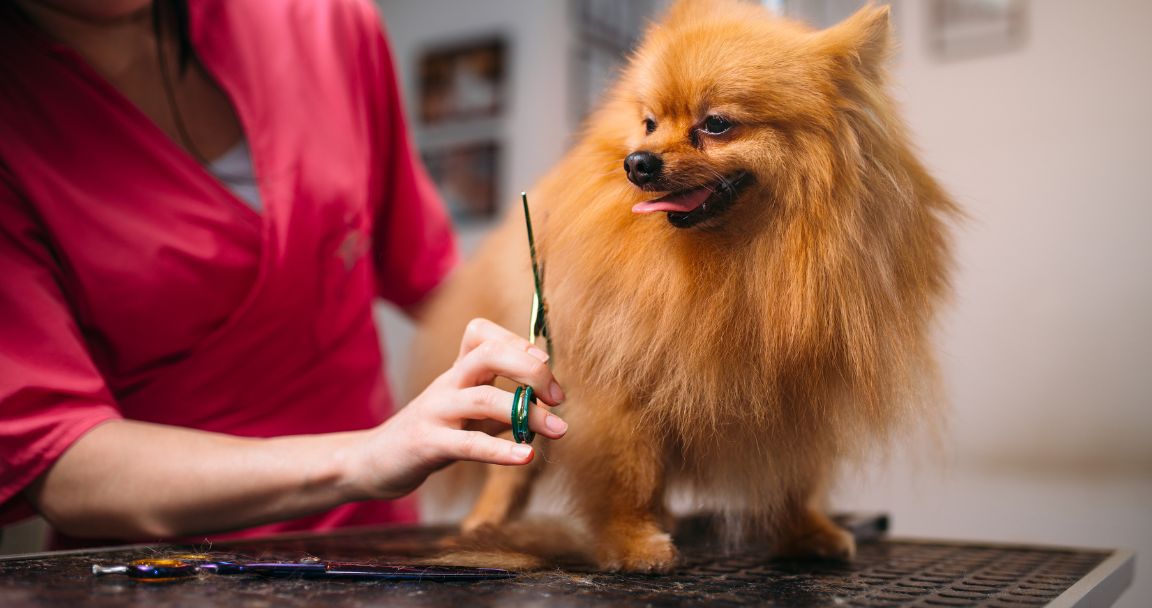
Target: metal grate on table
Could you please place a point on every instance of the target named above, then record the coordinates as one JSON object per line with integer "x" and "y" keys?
{"x": 896, "y": 574}
{"x": 885, "y": 573}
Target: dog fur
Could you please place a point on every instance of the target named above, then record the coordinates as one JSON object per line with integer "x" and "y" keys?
{"x": 746, "y": 356}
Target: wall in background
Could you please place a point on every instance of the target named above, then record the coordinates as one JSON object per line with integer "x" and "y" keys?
{"x": 1048, "y": 347}
{"x": 535, "y": 123}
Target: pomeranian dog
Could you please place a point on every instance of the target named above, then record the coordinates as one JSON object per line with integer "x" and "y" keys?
{"x": 742, "y": 259}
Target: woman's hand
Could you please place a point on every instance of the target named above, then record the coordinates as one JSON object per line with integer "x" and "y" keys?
{"x": 456, "y": 417}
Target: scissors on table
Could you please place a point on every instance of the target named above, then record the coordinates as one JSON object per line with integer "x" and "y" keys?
{"x": 184, "y": 566}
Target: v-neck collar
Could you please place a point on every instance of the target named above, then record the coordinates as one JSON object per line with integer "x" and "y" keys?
{"x": 266, "y": 221}
{"x": 185, "y": 158}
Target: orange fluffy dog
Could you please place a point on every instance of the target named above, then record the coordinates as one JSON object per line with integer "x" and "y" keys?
{"x": 743, "y": 256}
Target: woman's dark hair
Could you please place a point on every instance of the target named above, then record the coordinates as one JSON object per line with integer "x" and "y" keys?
{"x": 174, "y": 14}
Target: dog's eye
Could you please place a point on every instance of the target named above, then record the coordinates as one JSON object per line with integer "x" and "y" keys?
{"x": 715, "y": 125}
{"x": 649, "y": 125}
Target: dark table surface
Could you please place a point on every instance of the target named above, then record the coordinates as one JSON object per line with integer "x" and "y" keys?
{"x": 886, "y": 572}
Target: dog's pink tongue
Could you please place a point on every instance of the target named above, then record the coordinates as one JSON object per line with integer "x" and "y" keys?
{"x": 681, "y": 201}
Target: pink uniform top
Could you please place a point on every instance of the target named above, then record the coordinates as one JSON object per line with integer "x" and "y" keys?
{"x": 134, "y": 285}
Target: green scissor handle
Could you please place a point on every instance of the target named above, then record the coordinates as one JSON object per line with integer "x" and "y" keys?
{"x": 522, "y": 399}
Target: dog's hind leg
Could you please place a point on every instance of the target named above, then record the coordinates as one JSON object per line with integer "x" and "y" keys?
{"x": 810, "y": 533}
{"x": 806, "y": 530}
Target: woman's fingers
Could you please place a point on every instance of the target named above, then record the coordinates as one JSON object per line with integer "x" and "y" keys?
{"x": 486, "y": 352}
{"x": 491, "y": 403}
{"x": 438, "y": 426}
{"x": 493, "y": 358}
{"x": 480, "y": 331}
{"x": 481, "y": 447}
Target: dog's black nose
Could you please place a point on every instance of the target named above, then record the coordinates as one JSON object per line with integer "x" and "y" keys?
{"x": 642, "y": 167}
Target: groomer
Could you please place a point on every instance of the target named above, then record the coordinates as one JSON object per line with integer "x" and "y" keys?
{"x": 198, "y": 204}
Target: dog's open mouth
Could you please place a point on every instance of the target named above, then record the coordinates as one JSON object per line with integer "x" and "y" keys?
{"x": 690, "y": 207}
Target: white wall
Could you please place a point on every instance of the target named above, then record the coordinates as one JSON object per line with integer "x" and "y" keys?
{"x": 1048, "y": 350}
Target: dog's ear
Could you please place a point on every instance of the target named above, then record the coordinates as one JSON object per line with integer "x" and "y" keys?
{"x": 862, "y": 41}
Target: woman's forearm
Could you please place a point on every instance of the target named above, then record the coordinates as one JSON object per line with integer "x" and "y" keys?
{"x": 137, "y": 480}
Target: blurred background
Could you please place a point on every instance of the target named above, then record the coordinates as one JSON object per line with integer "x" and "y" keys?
{"x": 1035, "y": 115}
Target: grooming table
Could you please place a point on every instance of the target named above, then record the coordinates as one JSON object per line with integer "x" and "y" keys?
{"x": 886, "y": 572}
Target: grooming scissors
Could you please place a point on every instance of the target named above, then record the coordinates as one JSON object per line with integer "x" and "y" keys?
{"x": 524, "y": 397}
{"x": 183, "y": 567}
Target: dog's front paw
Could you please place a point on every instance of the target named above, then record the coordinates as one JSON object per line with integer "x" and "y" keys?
{"x": 478, "y": 522}
{"x": 652, "y": 551}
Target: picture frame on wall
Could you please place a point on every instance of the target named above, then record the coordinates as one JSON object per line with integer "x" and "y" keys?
{"x": 462, "y": 81}
{"x": 959, "y": 29}
{"x": 466, "y": 175}
{"x": 461, "y": 101}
